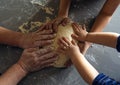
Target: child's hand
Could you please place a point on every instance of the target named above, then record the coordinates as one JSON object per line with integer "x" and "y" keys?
{"x": 68, "y": 47}
{"x": 80, "y": 32}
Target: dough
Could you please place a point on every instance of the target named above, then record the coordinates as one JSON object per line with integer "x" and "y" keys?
{"x": 65, "y": 31}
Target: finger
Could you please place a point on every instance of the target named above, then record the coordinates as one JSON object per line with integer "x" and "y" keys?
{"x": 48, "y": 61}
{"x": 76, "y": 37}
{"x": 45, "y": 37}
{"x": 50, "y": 26}
{"x": 61, "y": 46}
{"x": 66, "y": 40}
{"x": 60, "y": 50}
{"x": 48, "y": 65}
{"x": 76, "y": 29}
{"x": 45, "y": 32}
{"x": 55, "y": 27}
{"x": 43, "y": 42}
{"x": 41, "y": 28}
{"x": 65, "y": 21}
{"x": 30, "y": 49}
{"x": 44, "y": 51}
{"x": 77, "y": 25}
{"x": 73, "y": 42}
{"x": 64, "y": 43}
{"x": 83, "y": 27}
{"x": 48, "y": 56}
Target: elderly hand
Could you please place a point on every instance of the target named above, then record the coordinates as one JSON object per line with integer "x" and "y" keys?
{"x": 34, "y": 59}
{"x": 37, "y": 39}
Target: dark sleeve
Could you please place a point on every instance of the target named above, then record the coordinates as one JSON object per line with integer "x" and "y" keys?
{"x": 102, "y": 79}
{"x": 118, "y": 44}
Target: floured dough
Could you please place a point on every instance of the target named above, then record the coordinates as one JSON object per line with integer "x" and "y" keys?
{"x": 65, "y": 31}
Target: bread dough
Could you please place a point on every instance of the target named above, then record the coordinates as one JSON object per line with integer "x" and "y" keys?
{"x": 65, "y": 31}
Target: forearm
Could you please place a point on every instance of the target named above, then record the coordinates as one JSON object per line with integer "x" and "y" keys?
{"x": 105, "y": 15}
{"x": 103, "y": 38}
{"x": 9, "y": 37}
{"x": 64, "y": 7}
{"x": 12, "y": 76}
{"x": 86, "y": 70}
{"x": 100, "y": 23}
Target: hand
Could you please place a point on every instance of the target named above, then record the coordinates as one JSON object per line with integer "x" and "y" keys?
{"x": 80, "y": 32}
{"x": 68, "y": 47}
{"x": 37, "y": 39}
{"x": 80, "y": 36}
{"x": 34, "y": 59}
{"x": 56, "y": 22}
{"x": 83, "y": 46}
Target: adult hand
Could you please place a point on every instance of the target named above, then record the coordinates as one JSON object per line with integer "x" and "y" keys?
{"x": 56, "y": 22}
{"x": 37, "y": 39}
{"x": 34, "y": 59}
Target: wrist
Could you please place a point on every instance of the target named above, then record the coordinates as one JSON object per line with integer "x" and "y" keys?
{"x": 85, "y": 38}
{"x": 21, "y": 39}
{"x": 60, "y": 14}
{"x": 21, "y": 73}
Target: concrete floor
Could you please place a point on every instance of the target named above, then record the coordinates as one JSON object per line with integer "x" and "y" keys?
{"x": 16, "y": 12}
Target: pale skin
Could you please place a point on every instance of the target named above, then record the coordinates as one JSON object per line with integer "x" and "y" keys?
{"x": 101, "y": 21}
{"x": 32, "y": 59}
{"x": 39, "y": 38}
{"x": 70, "y": 48}
{"x": 103, "y": 38}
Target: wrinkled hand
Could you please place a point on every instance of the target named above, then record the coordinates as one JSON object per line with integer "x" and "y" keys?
{"x": 34, "y": 59}
{"x": 56, "y": 22}
{"x": 37, "y": 39}
{"x": 68, "y": 47}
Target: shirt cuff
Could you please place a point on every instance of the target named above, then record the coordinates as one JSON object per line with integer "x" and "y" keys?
{"x": 118, "y": 44}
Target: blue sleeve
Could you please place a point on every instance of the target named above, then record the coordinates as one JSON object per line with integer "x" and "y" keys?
{"x": 118, "y": 44}
{"x": 102, "y": 79}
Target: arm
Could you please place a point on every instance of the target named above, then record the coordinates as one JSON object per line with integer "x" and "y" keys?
{"x": 103, "y": 38}
{"x": 9, "y": 37}
{"x": 102, "y": 19}
{"x": 29, "y": 40}
{"x": 64, "y": 8}
{"x": 13, "y": 75}
{"x": 32, "y": 59}
{"x": 105, "y": 15}
{"x": 86, "y": 70}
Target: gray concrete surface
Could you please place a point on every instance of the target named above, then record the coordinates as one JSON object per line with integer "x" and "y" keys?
{"x": 15, "y": 12}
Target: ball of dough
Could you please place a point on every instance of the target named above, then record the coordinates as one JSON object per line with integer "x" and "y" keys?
{"x": 65, "y": 31}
